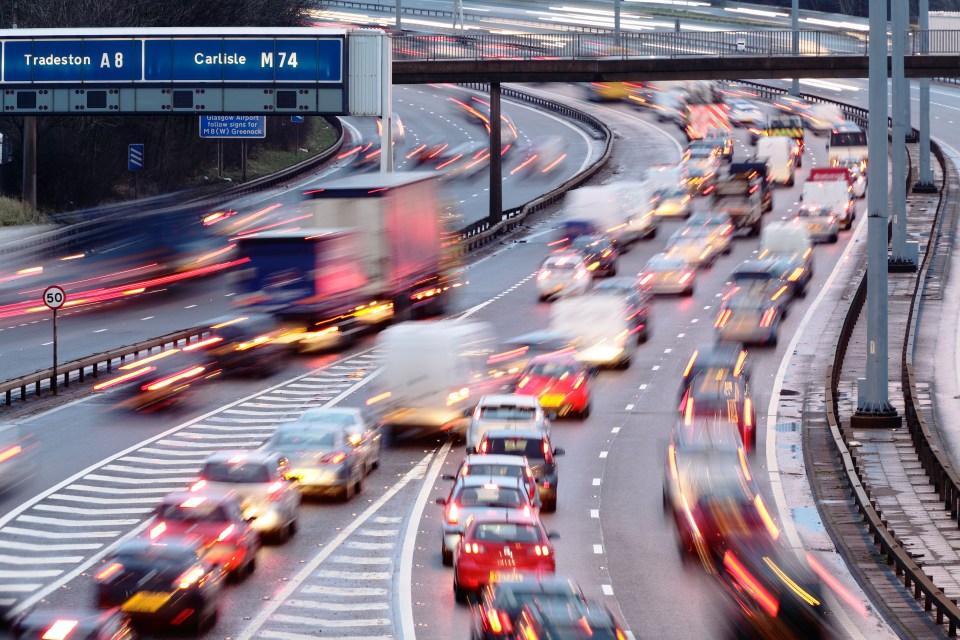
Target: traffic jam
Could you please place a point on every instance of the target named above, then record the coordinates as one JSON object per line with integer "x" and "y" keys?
{"x": 506, "y": 403}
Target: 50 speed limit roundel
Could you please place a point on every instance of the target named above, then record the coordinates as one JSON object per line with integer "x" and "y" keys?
{"x": 54, "y": 297}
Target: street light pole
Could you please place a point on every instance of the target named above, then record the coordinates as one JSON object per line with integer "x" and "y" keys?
{"x": 904, "y": 255}
{"x": 398, "y": 15}
{"x": 795, "y": 26}
{"x": 616, "y": 23}
{"x": 873, "y": 404}
{"x": 925, "y": 183}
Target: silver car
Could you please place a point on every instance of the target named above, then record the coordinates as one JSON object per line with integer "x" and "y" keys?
{"x": 562, "y": 274}
{"x": 259, "y": 480}
{"x": 822, "y": 223}
{"x": 668, "y": 274}
{"x": 507, "y": 411}
{"x": 324, "y": 458}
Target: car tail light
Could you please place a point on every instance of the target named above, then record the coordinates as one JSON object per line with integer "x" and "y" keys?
{"x": 123, "y": 378}
{"x": 779, "y": 293}
{"x": 162, "y": 383}
{"x": 796, "y": 274}
{"x": 743, "y": 464}
{"x": 109, "y": 572}
{"x": 541, "y": 550}
{"x": 644, "y": 279}
{"x": 741, "y": 359}
{"x": 580, "y": 380}
{"x": 750, "y": 584}
{"x": 527, "y": 470}
{"x": 497, "y": 621}
{"x": 685, "y": 277}
{"x": 334, "y": 458}
{"x": 466, "y": 470}
{"x": 483, "y": 447}
{"x": 453, "y": 513}
{"x": 581, "y": 274}
{"x": 723, "y": 318}
{"x": 15, "y": 450}
{"x": 472, "y": 548}
{"x": 523, "y": 382}
{"x": 547, "y": 453}
{"x": 60, "y": 630}
{"x": 765, "y": 516}
{"x": 191, "y": 577}
{"x": 690, "y": 362}
{"x": 620, "y": 635}
{"x": 226, "y": 533}
{"x": 672, "y": 461}
{"x": 158, "y": 530}
{"x": 688, "y": 412}
{"x": 767, "y": 319}
{"x": 203, "y": 343}
{"x": 274, "y": 489}
{"x": 748, "y": 412}
{"x": 199, "y": 484}
{"x": 543, "y": 275}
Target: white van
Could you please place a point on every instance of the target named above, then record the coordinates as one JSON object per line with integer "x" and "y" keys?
{"x": 784, "y": 238}
{"x": 833, "y": 195}
{"x": 777, "y": 152}
{"x": 600, "y": 327}
{"x": 433, "y": 373}
{"x": 848, "y": 143}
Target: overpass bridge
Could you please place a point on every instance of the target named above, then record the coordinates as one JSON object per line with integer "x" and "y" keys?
{"x": 660, "y": 55}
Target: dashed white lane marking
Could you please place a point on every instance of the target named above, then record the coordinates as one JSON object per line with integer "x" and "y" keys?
{"x": 629, "y": 407}
{"x": 596, "y": 482}
{"x": 615, "y": 430}
{"x": 643, "y": 386}
{"x": 681, "y": 335}
{"x": 607, "y": 589}
{"x": 190, "y": 306}
{"x": 668, "y": 350}
{"x": 594, "y": 513}
{"x": 101, "y": 330}
{"x": 46, "y": 344}
{"x": 147, "y": 318}
{"x": 603, "y": 454}
{"x": 598, "y": 549}
{"x": 694, "y": 320}
{"x": 656, "y": 367}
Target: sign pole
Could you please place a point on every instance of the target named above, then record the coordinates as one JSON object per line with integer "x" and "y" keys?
{"x": 243, "y": 161}
{"x": 53, "y": 380}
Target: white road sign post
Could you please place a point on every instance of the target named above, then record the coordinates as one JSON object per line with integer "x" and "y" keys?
{"x": 54, "y": 297}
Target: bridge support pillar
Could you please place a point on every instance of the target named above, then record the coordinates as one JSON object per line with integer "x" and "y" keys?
{"x": 904, "y": 255}
{"x": 925, "y": 182}
{"x": 873, "y": 403}
{"x": 795, "y": 26}
{"x": 386, "y": 104}
{"x": 29, "y": 189}
{"x": 496, "y": 168}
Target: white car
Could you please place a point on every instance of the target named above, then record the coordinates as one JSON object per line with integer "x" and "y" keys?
{"x": 822, "y": 224}
{"x": 507, "y": 411}
{"x": 562, "y": 274}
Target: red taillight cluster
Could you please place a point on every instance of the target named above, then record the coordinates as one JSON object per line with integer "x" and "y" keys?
{"x": 547, "y": 452}
{"x": 453, "y": 513}
{"x": 472, "y": 548}
{"x": 541, "y": 550}
{"x": 497, "y": 621}
{"x": 767, "y": 319}
{"x": 333, "y": 458}
{"x": 723, "y": 318}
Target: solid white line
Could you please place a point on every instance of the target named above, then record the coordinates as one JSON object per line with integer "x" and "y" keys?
{"x": 19, "y": 588}
{"x": 190, "y": 471}
{"x": 269, "y": 610}
{"x": 405, "y": 576}
{"x": 379, "y": 533}
{"x": 118, "y": 490}
{"x": 370, "y": 546}
{"x": 353, "y": 575}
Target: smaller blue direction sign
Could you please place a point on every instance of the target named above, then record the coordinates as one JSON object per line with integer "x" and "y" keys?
{"x": 233, "y": 126}
{"x": 135, "y": 157}
{"x": 296, "y": 119}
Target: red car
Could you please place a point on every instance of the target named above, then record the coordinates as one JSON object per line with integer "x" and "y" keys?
{"x": 560, "y": 382}
{"x": 500, "y": 547}
{"x": 216, "y": 518}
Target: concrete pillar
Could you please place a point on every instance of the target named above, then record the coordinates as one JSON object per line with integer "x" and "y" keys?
{"x": 616, "y": 23}
{"x": 925, "y": 182}
{"x": 496, "y": 169}
{"x": 386, "y": 104}
{"x": 29, "y": 191}
{"x": 397, "y": 6}
{"x": 795, "y": 26}
{"x": 900, "y": 259}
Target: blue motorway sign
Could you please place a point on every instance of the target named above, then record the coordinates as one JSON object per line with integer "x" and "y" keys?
{"x": 293, "y": 59}
{"x": 135, "y": 157}
{"x": 233, "y": 126}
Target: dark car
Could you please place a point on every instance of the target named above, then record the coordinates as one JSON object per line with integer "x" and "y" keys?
{"x": 247, "y": 344}
{"x": 711, "y": 360}
{"x": 162, "y": 379}
{"x": 502, "y": 602}
{"x": 753, "y": 169}
{"x": 168, "y": 583}
{"x": 724, "y": 395}
{"x": 599, "y": 253}
{"x": 638, "y": 299}
{"x": 515, "y": 353}
{"x": 570, "y": 231}
{"x": 73, "y": 625}
{"x": 540, "y": 453}
{"x": 550, "y": 620}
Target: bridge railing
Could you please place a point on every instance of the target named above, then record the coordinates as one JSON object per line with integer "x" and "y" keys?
{"x": 652, "y": 44}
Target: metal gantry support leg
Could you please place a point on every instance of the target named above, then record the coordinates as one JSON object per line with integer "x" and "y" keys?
{"x": 925, "y": 182}
{"x": 873, "y": 403}
{"x": 458, "y": 16}
{"x": 904, "y": 255}
{"x": 616, "y": 23}
{"x": 398, "y": 16}
{"x": 29, "y": 190}
{"x": 496, "y": 169}
{"x": 795, "y": 26}
{"x": 386, "y": 105}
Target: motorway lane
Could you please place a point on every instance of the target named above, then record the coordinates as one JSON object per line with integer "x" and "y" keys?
{"x": 425, "y": 111}
{"x": 512, "y": 309}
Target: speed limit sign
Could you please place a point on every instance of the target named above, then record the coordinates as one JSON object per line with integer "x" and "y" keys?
{"x": 54, "y": 297}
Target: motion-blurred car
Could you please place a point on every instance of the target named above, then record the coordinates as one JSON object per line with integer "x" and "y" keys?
{"x": 428, "y": 151}
{"x": 258, "y": 479}
{"x": 720, "y": 226}
{"x": 492, "y": 465}
{"x": 501, "y": 602}
{"x": 858, "y": 177}
{"x": 668, "y": 274}
{"x": 672, "y": 201}
{"x": 561, "y": 383}
{"x": 16, "y": 452}
{"x": 637, "y": 298}
{"x": 768, "y": 274}
{"x": 321, "y": 457}
{"x": 791, "y": 104}
{"x": 162, "y": 379}
{"x": 697, "y": 246}
{"x": 545, "y": 155}
{"x": 505, "y": 411}
{"x": 744, "y": 113}
{"x": 170, "y": 583}
{"x": 544, "y": 620}
{"x": 248, "y": 344}
{"x": 464, "y": 160}
{"x": 726, "y": 397}
{"x": 721, "y": 141}
{"x": 747, "y": 315}
{"x": 822, "y": 224}
{"x": 73, "y": 625}
{"x": 228, "y": 539}
{"x": 599, "y": 253}
{"x": 475, "y": 496}
{"x": 540, "y": 453}
{"x": 515, "y": 353}
{"x": 700, "y": 174}
{"x": 715, "y": 360}
{"x": 562, "y": 274}
{"x": 496, "y": 548}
